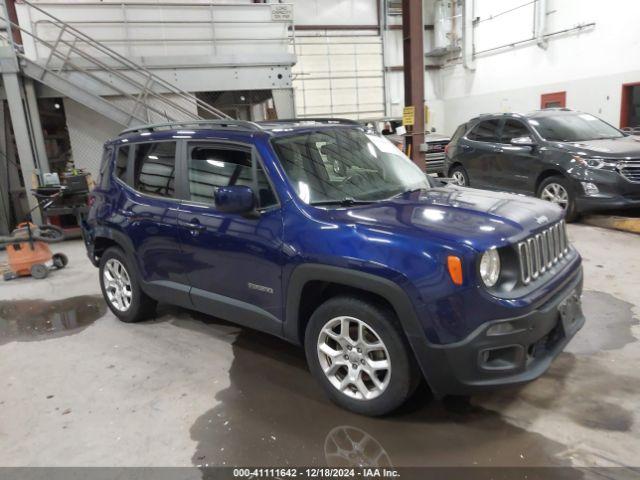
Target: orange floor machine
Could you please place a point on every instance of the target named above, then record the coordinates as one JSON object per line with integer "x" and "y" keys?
{"x": 28, "y": 248}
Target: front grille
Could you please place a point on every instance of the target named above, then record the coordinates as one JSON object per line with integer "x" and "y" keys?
{"x": 436, "y": 147}
{"x": 539, "y": 253}
{"x": 631, "y": 170}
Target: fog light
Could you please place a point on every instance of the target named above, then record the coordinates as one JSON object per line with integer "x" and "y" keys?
{"x": 501, "y": 328}
{"x": 590, "y": 188}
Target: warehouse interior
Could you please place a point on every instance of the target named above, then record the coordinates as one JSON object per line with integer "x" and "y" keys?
{"x": 208, "y": 390}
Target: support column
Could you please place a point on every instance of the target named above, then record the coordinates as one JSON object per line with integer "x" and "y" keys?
{"x": 21, "y": 132}
{"x": 42, "y": 161}
{"x": 413, "y": 56}
{"x": 4, "y": 176}
{"x": 284, "y": 103}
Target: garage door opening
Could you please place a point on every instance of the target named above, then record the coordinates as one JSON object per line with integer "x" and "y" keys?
{"x": 630, "y": 110}
{"x": 553, "y": 100}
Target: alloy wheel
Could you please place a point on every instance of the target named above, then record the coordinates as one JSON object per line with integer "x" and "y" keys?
{"x": 458, "y": 178}
{"x": 556, "y": 193}
{"x": 354, "y": 358}
{"x": 117, "y": 285}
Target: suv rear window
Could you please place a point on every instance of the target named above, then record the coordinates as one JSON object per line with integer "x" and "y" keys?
{"x": 485, "y": 131}
{"x": 122, "y": 161}
{"x": 155, "y": 168}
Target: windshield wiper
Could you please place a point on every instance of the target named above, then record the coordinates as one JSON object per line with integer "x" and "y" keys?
{"x": 344, "y": 202}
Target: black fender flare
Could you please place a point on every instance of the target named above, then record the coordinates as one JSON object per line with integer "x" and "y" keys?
{"x": 383, "y": 287}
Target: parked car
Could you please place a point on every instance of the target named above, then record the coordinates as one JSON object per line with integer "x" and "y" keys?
{"x": 433, "y": 146}
{"x": 329, "y": 237}
{"x": 571, "y": 158}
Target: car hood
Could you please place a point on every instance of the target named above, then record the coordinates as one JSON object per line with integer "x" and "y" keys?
{"x": 478, "y": 218}
{"x": 625, "y": 147}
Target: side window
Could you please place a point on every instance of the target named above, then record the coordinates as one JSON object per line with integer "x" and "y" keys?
{"x": 155, "y": 168}
{"x": 513, "y": 129}
{"x": 105, "y": 167}
{"x": 211, "y": 167}
{"x": 122, "y": 162}
{"x": 486, "y": 131}
{"x": 458, "y": 133}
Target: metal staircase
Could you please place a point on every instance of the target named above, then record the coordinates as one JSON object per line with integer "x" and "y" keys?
{"x": 100, "y": 78}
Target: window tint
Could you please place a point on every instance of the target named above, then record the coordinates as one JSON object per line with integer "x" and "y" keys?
{"x": 573, "y": 127}
{"x": 458, "y": 133}
{"x": 122, "y": 161}
{"x": 513, "y": 129}
{"x": 486, "y": 131}
{"x": 211, "y": 167}
{"x": 155, "y": 165}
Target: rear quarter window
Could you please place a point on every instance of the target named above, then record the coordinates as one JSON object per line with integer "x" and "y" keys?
{"x": 105, "y": 167}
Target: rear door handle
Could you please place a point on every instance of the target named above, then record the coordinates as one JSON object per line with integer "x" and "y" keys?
{"x": 194, "y": 226}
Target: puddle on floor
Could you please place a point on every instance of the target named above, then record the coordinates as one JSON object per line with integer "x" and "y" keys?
{"x": 608, "y": 324}
{"x": 34, "y": 319}
{"x": 274, "y": 414}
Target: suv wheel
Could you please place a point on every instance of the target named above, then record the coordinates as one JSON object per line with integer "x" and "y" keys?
{"x": 558, "y": 190}
{"x": 357, "y": 352}
{"x": 121, "y": 290}
{"x": 459, "y": 176}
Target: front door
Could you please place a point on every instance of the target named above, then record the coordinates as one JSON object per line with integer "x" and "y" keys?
{"x": 234, "y": 261}
{"x": 517, "y": 166}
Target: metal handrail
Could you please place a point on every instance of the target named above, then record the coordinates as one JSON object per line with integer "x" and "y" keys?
{"x": 150, "y": 78}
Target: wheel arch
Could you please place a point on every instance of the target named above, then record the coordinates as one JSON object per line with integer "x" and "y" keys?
{"x": 550, "y": 172}
{"x": 305, "y": 291}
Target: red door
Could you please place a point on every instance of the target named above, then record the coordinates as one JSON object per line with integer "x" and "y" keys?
{"x": 630, "y": 108}
{"x": 553, "y": 100}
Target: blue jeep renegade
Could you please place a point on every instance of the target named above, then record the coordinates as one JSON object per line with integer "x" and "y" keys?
{"x": 326, "y": 235}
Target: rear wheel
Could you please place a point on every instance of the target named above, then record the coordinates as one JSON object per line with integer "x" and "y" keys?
{"x": 121, "y": 288}
{"x": 358, "y": 353}
{"x": 60, "y": 260}
{"x": 39, "y": 271}
{"x": 460, "y": 176}
{"x": 558, "y": 190}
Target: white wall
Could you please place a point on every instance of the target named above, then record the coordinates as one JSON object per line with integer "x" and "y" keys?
{"x": 590, "y": 66}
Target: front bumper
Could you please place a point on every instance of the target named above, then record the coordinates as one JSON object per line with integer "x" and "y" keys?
{"x": 615, "y": 191}
{"x": 483, "y": 361}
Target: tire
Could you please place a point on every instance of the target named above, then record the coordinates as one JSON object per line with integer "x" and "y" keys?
{"x": 123, "y": 294}
{"x": 60, "y": 260}
{"x": 460, "y": 174}
{"x": 546, "y": 189}
{"x": 394, "y": 385}
{"x": 39, "y": 271}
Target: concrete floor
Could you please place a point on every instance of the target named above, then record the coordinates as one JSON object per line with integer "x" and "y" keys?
{"x": 79, "y": 388}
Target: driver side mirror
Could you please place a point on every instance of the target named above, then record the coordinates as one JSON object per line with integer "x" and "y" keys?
{"x": 235, "y": 199}
{"x": 525, "y": 141}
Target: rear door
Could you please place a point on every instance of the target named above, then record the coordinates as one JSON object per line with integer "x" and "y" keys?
{"x": 481, "y": 152}
{"x": 147, "y": 212}
{"x": 517, "y": 167}
{"x": 234, "y": 261}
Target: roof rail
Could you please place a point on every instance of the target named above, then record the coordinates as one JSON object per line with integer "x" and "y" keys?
{"x": 338, "y": 121}
{"x": 241, "y": 124}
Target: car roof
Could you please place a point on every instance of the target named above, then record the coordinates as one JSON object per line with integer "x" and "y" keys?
{"x": 203, "y": 129}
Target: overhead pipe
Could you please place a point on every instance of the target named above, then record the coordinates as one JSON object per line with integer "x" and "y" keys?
{"x": 541, "y": 23}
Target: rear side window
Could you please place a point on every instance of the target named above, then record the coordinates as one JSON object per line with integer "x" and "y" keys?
{"x": 155, "y": 168}
{"x": 458, "y": 133}
{"x": 486, "y": 131}
{"x": 122, "y": 162}
{"x": 105, "y": 167}
{"x": 513, "y": 129}
{"x": 211, "y": 167}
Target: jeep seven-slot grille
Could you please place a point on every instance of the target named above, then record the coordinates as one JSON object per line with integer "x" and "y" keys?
{"x": 540, "y": 252}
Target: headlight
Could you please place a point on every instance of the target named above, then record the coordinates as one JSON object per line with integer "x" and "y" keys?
{"x": 596, "y": 163}
{"x": 490, "y": 267}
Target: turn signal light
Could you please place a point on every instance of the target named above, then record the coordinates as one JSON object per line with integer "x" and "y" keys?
{"x": 454, "y": 264}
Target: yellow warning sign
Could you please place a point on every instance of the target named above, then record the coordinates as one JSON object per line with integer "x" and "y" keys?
{"x": 408, "y": 115}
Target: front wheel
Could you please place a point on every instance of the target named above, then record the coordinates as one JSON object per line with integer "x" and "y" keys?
{"x": 558, "y": 190}
{"x": 357, "y": 351}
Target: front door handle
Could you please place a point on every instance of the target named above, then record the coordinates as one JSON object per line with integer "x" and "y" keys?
{"x": 194, "y": 226}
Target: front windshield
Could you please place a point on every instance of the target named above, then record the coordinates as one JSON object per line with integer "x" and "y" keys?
{"x": 577, "y": 127}
{"x": 345, "y": 164}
